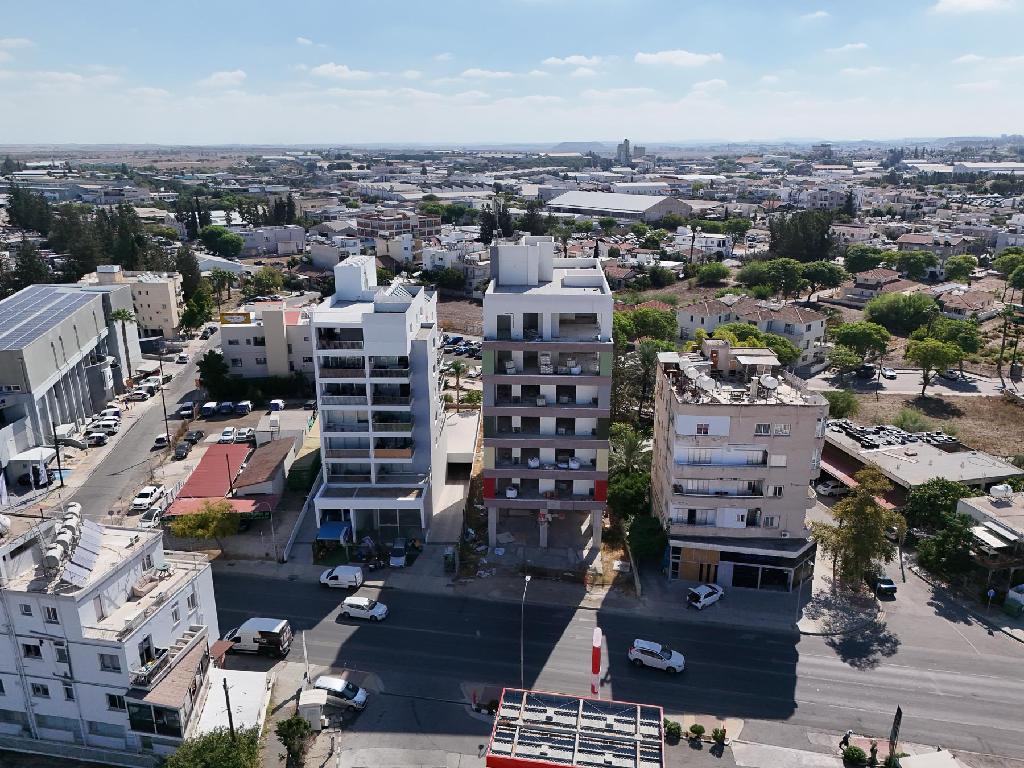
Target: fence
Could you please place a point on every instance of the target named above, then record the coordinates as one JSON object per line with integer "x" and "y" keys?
{"x": 63, "y": 750}
{"x": 306, "y": 509}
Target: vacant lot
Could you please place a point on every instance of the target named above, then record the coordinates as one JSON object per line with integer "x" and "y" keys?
{"x": 460, "y": 316}
{"x": 990, "y": 424}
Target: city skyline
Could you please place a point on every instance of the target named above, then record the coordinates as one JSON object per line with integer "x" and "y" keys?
{"x": 401, "y": 73}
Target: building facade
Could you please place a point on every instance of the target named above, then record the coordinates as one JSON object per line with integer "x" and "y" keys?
{"x": 737, "y": 442}
{"x": 376, "y": 365}
{"x": 267, "y": 339}
{"x": 157, "y": 298}
{"x": 547, "y": 363}
{"x": 105, "y": 639}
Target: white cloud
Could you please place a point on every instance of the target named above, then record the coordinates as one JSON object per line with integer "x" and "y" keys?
{"x": 575, "y": 60}
{"x": 340, "y": 72}
{"x": 848, "y": 48}
{"x": 538, "y": 73}
{"x": 5, "y": 56}
{"x": 991, "y": 61}
{"x": 224, "y": 79}
{"x": 446, "y": 80}
{"x": 815, "y": 15}
{"x": 769, "y": 79}
{"x": 583, "y": 72}
{"x": 979, "y": 85}
{"x": 303, "y": 41}
{"x": 706, "y": 87}
{"x": 487, "y": 74}
{"x": 677, "y": 58}
{"x": 148, "y": 93}
{"x": 862, "y": 71}
{"x": 971, "y": 6}
{"x": 15, "y": 42}
{"x": 968, "y": 58}
{"x": 446, "y": 56}
{"x": 412, "y": 74}
{"x": 617, "y": 93}
{"x": 471, "y": 95}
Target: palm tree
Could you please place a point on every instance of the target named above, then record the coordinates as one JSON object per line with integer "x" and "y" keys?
{"x": 631, "y": 451}
{"x": 221, "y": 279}
{"x": 125, "y": 316}
{"x": 458, "y": 368}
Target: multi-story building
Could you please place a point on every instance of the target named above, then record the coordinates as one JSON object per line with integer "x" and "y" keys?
{"x": 805, "y": 328}
{"x": 547, "y": 363}
{"x": 157, "y": 297}
{"x": 105, "y": 639}
{"x": 696, "y": 245}
{"x": 62, "y": 359}
{"x": 386, "y": 225}
{"x": 283, "y": 240}
{"x": 736, "y": 443}
{"x": 376, "y": 350}
{"x": 622, "y": 153}
{"x": 267, "y": 339}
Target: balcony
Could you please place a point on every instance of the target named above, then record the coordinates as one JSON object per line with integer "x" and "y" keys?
{"x": 572, "y": 465}
{"x": 148, "y": 676}
{"x": 325, "y": 344}
{"x": 342, "y": 373}
{"x": 392, "y": 426}
{"x": 392, "y": 453}
{"x": 347, "y": 453}
{"x": 545, "y": 402}
{"x": 342, "y": 399}
{"x": 389, "y": 373}
{"x": 391, "y": 400}
{"x": 401, "y": 478}
{"x": 734, "y": 493}
{"x": 348, "y": 478}
{"x": 347, "y": 426}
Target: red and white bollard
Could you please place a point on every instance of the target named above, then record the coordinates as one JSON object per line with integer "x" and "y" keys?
{"x": 595, "y": 663}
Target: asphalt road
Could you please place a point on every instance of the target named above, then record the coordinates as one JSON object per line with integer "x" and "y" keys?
{"x": 908, "y": 382}
{"x": 962, "y": 693}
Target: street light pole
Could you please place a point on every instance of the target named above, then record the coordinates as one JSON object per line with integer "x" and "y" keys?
{"x": 163, "y": 399}
{"x": 522, "y": 633}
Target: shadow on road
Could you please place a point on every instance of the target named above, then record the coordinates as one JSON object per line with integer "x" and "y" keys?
{"x": 865, "y": 648}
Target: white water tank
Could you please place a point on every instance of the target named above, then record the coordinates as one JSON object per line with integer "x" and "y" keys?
{"x": 73, "y": 508}
{"x": 65, "y": 540}
{"x": 5, "y": 525}
{"x": 52, "y": 557}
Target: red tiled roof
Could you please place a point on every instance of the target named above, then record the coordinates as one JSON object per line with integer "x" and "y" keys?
{"x": 242, "y": 505}
{"x": 216, "y": 471}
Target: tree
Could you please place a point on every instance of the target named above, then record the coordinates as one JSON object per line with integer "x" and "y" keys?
{"x": 653, "y": 323}
{"x": 221, "y": 241}
{"x": 748, "y": 335}
{"x": 458, "y": 368}
{"x": 267, "y": 280}
{"x": 630, "y": 451}
{"x": 965, "y": 334}
{"x": 899, "y": 313}
{"x": 864, "y": 337}
{"x": 213, "y": 373}
{"x": 911, "y": 420}
{"x": 845, "y": 359}
{"x": 960, "y": 267}
{"x": 294, "y": 733}
{"x": 715, "y": 272}
{"x": 29, "y": 266}
{"x": 842, "y": 403}
{"x": 487, "y": 226}
{"x": 849, "y": 204}
{"x": 449, "y": 278}
{"x": 187, "y": 265}
{"x": 125, "y": 316}
{"x": 948, "y": 553}
{"x": 661, "y": 277}
{"x": 532, "y": 221}
{"x": 645, "y": 366}
{"x": 857, "y": 539}
{"x": 929, "y": 504}
{"x": 913, "y": 265}
{"x": 647, "y": 539}
{"x": 607, "y": 224}
{"x": 216, "y": 749}
{"x": 823, "y": 274}
{"x": 1008, "y": 261}
{"x": 804, "y": 236}
{"x": 213, "y": 520}
{"x": 932, "y": 356}
{"x": 220, "y": 280}
{"x": 860, "y": 258}
{"x": 754, "y": 273}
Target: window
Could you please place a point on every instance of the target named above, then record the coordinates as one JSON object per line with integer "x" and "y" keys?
{"x": 26, "y": 609}
{"x": 40, "y": 691}
{"x": 50, "y": 614}
{"x": 31, "y": 651}
{"x": 109, "y": 663}
{"x": 110, "y": 730}
{"x": 2, "y": 691}
{"x": 782, "y": 430}
{"x": 232, "y": 342}
{"x": 703, "y": 429}
{"x": 704, "y": 517}
{"x": 236, "y": 362}
{"x": 248, "y": 342}
{"x": 116, "y": 702}
{"x": 147, "y": 562}
{"x": 60, "y": 653}
{"x": 763, "y": 429}
{"x": 307, "y": 359}
{"x": 698, "y": 456}
{"x": 775, "y": 490}
{"x": 261, "y": 361}
{"x": 69, "y": 692}
{"x": 769, "y": 521}
{"x": 175, "y": 614}
{"x": 192, "y": 602}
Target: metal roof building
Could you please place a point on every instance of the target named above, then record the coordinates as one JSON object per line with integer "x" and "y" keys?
{"x": 618, "y": 205}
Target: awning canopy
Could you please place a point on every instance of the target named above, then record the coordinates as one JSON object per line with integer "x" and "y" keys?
{"x": 762, "y": 359}
{"x": 335, "y": 531}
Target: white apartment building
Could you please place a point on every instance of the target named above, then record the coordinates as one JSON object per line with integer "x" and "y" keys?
{"x": 376, "y": 355}
{"x": 157, "y": 298}
{"x": 547, "y": 365}
{"x": 324, "y": 254}
{"x": 267, "y": 339}
{"x": 697, "y": 245}
{"x": 105, "y": 640}
{"x": 736, "y": 443}
{"x": 283, "y": 240}
{"x": 805, "y": 328}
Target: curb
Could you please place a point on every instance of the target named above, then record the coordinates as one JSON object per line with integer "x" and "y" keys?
{"x": 914, "y": 569}
{"x": 879, "y": 615}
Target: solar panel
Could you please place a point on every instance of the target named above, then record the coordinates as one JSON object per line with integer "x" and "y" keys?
{"x": 84, "y": 557}
{"x": 92, "y": 536}
{"x": 74, "y": 574}
{"x": 28, "y": 314}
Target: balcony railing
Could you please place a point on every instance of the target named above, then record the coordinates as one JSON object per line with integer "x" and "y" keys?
{"x": 343, "y": 399}
{"x": 500, "y": 369}
{"x": 346, "y": 427}
{"x": 392, "y": 426}
{"x": 551, "y": 495}
{"x": 731, "y": 494}
{"x": 389, "y": 373}
{"x": 343, "y": 373}
{"x": 347, "y": 478}
{"x": 751, "y": 465}
{"x": 324, "y": 344}
{"x": 536, "y": 402}
{"x": 401, "y": 478}
{"x": 516, "y": 432}
{"x": 347, "y": 453}
{"x": 391, "y": 400}
{"x": 551, "y": 466}
{"x": 392, "y": 453}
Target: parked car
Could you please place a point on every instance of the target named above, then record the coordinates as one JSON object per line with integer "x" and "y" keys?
{"x": 341, "y": 693}
{"x": 245, "y": 435}
{"x": 703, "y": 596}
{"x": 261, "y": 635}
{"x": 182, "y": 358}
{"x": 243, "y": 407}
{"x": 181, "y": 450}
{"x": 888, "y": 373}
{"x": 110, "y": 426}
{"x": 110, "y": 412}
{"x": 867, "y": 371}
{"x": 309, "y": 405}
{"x": 227, "y": 435}
{"x": 208, "y": 410}
{"x": 147, "y": 497}
{"x": 644, "y": 653}
{"x": 277, "y": 405}
{"x": 363, "y": 608}
{"x": 399, "y": 553}
{"x": 831, "y": 488}
{"x": 226, "y": 408}
{"x": 880, "y": 584}
{"x": 137, "y": 396}
{"x": 187, "y": 410}
{"x": 194, "y": 436}
{"x": 96, "y": 439}
{"x": 151, "y": 518}
{"x": 161, "y": 441}
{"x": 342, "y": 577}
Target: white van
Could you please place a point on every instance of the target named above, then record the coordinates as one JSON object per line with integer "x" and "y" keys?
{"x": 343, "y": 576}
{"x": 341, "y": 693}
{"x": 269, "y": 636}
{"x": 111, "y": 412}
{"x": 110, "y": 426}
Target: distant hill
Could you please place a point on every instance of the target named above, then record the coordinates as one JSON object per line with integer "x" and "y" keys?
{"x": 581, "y": 146}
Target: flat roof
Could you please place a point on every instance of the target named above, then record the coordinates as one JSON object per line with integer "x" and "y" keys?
{"x": 926, "y": 462}
{"x": 607, "y": 201}
{"x": 33, "y": 311}
{"x": 1009, "y": 511}
{"x": 557, "y": 284}
{"x": 250, "y": 692}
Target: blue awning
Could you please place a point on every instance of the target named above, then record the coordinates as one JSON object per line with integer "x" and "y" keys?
{"x": 335, "y": 531}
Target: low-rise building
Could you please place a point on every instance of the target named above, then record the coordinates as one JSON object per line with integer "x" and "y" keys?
{"x": 702, "y": 246}
{"x": 628, "y": 207}
{"x": 737, "y": 442}
{"x": 267, "y": 339}
{"x": 157, "y": 297}
{"x": 999, "y": 534}
{"x": 283, "y": 240}
{"x": 874, "y": 282}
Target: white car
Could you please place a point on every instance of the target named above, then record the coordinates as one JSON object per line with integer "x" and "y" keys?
{"x": 703, "y": 596}
{"x": 161, "y": 441}
{"x": 644, "y": 653}
{"x": 182, "y": 358}
{"x": 831, "y": 488}
{"x": 245, "y": 435}
{"x": 888, "y": 373}
{"x": 137, "y": 395}
{"x": 227, "y": 435}
{"x": 151, "y": 518}
{"x": 95, "y": 439}
{"x": 363, "y": 608}
{"x": 147, "y": 497}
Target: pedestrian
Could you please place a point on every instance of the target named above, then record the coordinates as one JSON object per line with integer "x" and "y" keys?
{"x": 845, "y": 741}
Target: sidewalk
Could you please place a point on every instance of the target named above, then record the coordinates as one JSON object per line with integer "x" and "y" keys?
{"x": 994, "y": 618}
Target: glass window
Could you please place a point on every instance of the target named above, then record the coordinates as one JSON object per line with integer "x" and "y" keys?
{"x": 116, "y": 702}
{"x": 192, "y": 602}
{"x": 69, "y": 692}
{"x": 109, "y": 663}
{"x": 26, "y": 609}
{"x": 175, "y": 614}
{"x": 51, "y": 615}
{"x": 703, "y": 429}
{"x": 61, "y": 654}
{"x": 40, "y": 691}
{"x": 2, "y": 691}
{"x": 110, "y": 730}
{"x": 763, "y": 429}
{"x": 31, "y": 651}
{"x": 782, "y": 429}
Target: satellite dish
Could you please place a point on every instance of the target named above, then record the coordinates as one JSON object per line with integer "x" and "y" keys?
{"x": 706, "y": 383}
{"x": 691, "y": 373}
{"x": 769, "y": 382}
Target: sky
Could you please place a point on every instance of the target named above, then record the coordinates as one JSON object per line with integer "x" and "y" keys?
{"x": 497, "y": 71}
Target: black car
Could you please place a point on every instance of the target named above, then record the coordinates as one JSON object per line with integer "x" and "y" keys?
{"x": 194, "y": 436}
{"x": 881, "y": 585}
{"x": 181, "y": 450}
{"x": 309, "y": 405}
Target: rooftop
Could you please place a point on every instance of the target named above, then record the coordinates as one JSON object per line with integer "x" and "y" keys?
{"x": 607, "y": 201}
{"x": 1008, "y": 511}
{"x": 565, "y": 281}
{"x": 264, "y": 462}
{"x": 31, "y": 312}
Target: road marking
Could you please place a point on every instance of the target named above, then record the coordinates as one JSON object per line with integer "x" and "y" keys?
{"x": 965, "y": 638}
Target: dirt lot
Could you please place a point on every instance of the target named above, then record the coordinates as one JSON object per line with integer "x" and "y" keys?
{"x": 990, "y": 424}
{"x": 461, "y": 316}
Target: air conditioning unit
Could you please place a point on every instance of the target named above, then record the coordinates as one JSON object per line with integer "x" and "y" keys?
{"x": 784, "y": 534}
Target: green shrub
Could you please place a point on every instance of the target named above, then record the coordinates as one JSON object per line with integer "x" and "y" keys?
{"x": 673, "y": 730}
{"x": 718, "y": 735}
{"x": 854, "y": 755}
{"x": 696, "y": 730}
{"x": 912, "y": 420}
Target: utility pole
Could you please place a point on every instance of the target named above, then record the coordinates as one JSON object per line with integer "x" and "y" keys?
{"x": 163, "y": 400}
{"x": 227, "y": 703}
{"x": 56, "y": 448}
{"x": 522, "y": 633}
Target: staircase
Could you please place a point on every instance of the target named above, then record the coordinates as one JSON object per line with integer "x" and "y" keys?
{"x": 186, "y": 642}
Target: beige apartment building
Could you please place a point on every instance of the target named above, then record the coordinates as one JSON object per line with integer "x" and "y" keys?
{"x": 737, "y": 441}
{"x": 156, "y": 296}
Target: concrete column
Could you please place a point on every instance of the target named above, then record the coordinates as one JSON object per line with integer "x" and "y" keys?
{"x": 543, "y": 533}
{"x": 492, "y": 526}
{"x": 596, "y": 521}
